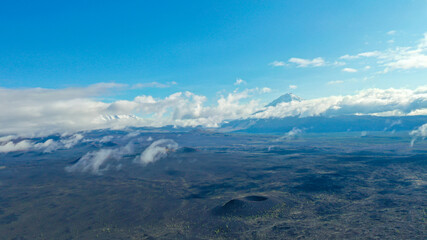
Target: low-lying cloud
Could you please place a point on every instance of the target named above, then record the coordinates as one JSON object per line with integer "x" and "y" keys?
{"x": 420, "y": 132}
{"x": 156, "y": 151}
{"x": 10, "y": 144}
{"x": 100, "y": 161}
{"x": 97, "y": 162}
{"x": 13, "y": 147}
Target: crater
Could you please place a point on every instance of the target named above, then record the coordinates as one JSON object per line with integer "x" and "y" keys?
{"x": 256, "y": 198}
{"x": 246, "y": 206}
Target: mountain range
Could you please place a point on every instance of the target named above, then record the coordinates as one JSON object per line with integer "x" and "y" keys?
{"x": 342, "y": 123}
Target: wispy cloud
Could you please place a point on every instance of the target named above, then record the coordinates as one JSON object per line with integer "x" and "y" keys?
{"x": 265, "y": 90}
{"x": 349, "y": 70}
{"x": 399, "y": 57}
{"x": 293, "y": 86}
{"x": 292, "y": 134}
{"x": 335, "y": 82}
{"x": 239, "y": 81}
{"x": 364, "y": 54}
{"x": 316, "y": 62}
{"x": 153, "y": 85}
{"x": 277, "y": 64}
{"x": 391, "y": 32}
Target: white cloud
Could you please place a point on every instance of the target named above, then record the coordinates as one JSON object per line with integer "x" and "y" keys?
{"x": 156, "y": 151}
{"x": 71, "y": 141}
{"x": 239, "y": 81}
{"x": 7, "y": 138}
{"x": 363, "y": 54}
{"x": 349, "y": 70}
{"x": 399, "y": 57}
{"x": 368, "y": 101}
{"x": 50, "y": 145}
{"x": 335, "y": 82}
{"x": 97, "y": 162}
{"x": 265, "y": 90}
{"x": 417, "y": 112}
{"x": 293, "y": 86}
{"x": 338, "y": 63}
{"x": 152, "y": 85}
{"x": 392, "y": 32}
{"x": 292, "y": 134}
{"x": 277, "y": 64}
{"x": 40, "y": 112}
{"x": 13, "y": 147}
{"x": 420, "y": 132}
{"x": 316, "y": 62}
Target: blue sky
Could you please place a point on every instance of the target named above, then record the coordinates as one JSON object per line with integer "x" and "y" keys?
{"x": 204, "y": 46}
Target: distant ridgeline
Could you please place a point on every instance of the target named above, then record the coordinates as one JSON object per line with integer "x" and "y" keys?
{"x": 325, "y": 124}
{"x": 319, "y": 124}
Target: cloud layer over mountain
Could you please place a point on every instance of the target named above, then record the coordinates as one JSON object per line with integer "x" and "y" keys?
{"x": 382, "y": 102}
{"x": 39, "y": 111}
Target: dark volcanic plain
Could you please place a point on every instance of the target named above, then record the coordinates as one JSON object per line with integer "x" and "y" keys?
{"x": 224, "y": 186}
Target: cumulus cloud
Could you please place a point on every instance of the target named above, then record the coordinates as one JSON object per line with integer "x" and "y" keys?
{"x": 8, "y": 145}
{"x": 369, "y": 101}
{"x": 316, "y": 62}
{"x": 97, "y": 162}
{"x": 156, "y": 151}
{"x": 277, "y": 64}
{"x": 13, "y": 147}
{"x": 420, "y": 132}
{"x": 40, "y": 112}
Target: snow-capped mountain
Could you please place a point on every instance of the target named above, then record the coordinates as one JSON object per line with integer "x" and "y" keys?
{"x": 285, "y": 98}
{"x": 339, "y": 123}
